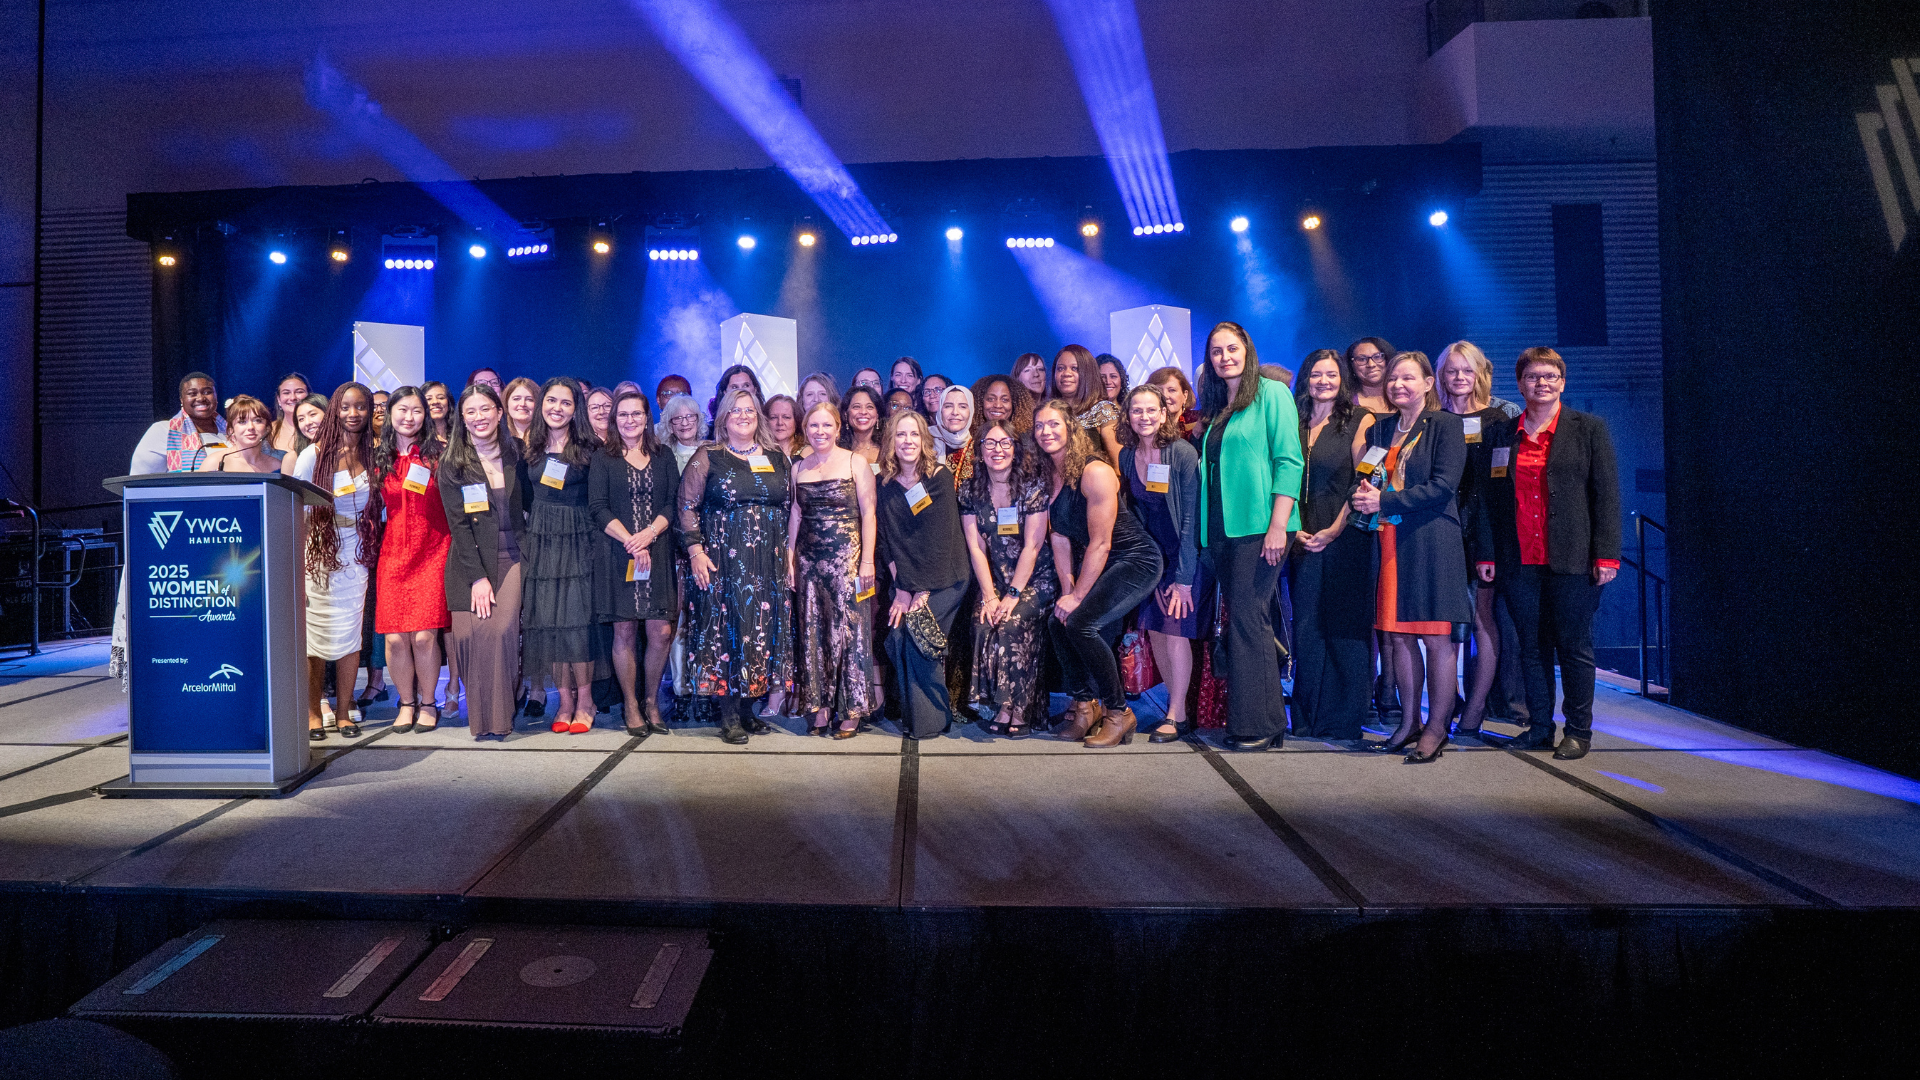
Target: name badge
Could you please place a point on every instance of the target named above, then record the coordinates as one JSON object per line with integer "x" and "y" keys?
{"x": 342, "y": 484}
{"x": 1371, "y": 460}
{"x": 555, "y": 474}
{"x": 1501, "y": 455}
{"x": 473, "y": 498}
{"x": 759, "y": 463}
{"x": 417, "y": 477}
{"x": 1008, "y": 520}
{"x": 867, "y": 595}
{"x": 875, "y": 467}
{"x": 212, "y": 442}
{"x": 1472, "y": 426}
{"x": 918, "y": 498}
{"x": 638, "y": 575}
{"x": 1157, "y": 477}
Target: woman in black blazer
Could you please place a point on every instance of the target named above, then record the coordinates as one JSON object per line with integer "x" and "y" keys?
{"x": 483, "y": 483}
{"x": 631, "y": 485}
{"x": 1412, "y": 463}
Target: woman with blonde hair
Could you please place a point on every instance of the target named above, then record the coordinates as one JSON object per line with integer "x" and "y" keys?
{"x": 1465, "y": 385}
{"x": 919, "y": 515}
{"x": 521, "y": 398}
{"x": 830, "y": 537}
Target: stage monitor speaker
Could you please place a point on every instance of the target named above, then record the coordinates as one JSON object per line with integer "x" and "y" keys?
{"x": 388, "y": 356}
{"x": 769, "y": 346}
{"x": 1151, "y": 337}
{"x": 608, "y": 979}
{"x": 267, "y": 969}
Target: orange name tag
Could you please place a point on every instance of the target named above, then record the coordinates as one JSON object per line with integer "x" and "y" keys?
{"x": 918, "y": 499}
{"x": 1007, "y": 520}
{"x": 555, "y": 473}
{"x": 638, "y": 575}
{"x": 1157, "y": 477}
{"x": 416, "y": 481}
{"x": 1472, "y": 426}
{"x": 1371, "y": 460}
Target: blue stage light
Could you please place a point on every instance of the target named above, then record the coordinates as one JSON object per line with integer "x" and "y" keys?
{"x": 277, "y": 258}
{"x": 747, "y": 243}
{"x": 477, "y": 251}
{"x": 1437, "y": 218}
{"x": 954, "y": 233}
{"x": 1109, "y": 58}
{"x": 1239, "y": 224}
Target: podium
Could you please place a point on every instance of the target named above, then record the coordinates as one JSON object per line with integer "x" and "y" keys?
{"x": 216, "y": 633}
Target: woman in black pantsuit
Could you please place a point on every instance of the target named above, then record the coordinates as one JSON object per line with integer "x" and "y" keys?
{"x": 1332, "y": 566}
{"x": 1420, "y": 583}
{"x": 919, "y": 516}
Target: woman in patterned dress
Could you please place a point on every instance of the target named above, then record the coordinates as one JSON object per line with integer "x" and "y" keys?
{"x": 630, "y": 492}
{"x": 1003, "y": 512}
{"x": 830, "y": 535}
{"x": 733, "y": 510}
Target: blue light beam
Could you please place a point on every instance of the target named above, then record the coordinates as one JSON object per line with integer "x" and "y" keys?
{"x": 332, "y": 92}
{"x": 716, "y": 51}
{"x": 1080, "y": 294}
{"x": 681, "y": 309}
{"x": 1110, "y": 59}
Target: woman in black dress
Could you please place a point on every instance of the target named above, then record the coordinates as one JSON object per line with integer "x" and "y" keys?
{"x": 1003, "y": 512}
{"x": 1118, "y": 570}
{"x": 733, "y": 517}
{"x": 631, "y": 487}
{"x": 1332, "y": 565}
{"x": 830, "y": 535}
{"x": 557, "y": 605}
{"x": 920, "y": 518}
{"x": 1420, "y": 582}
{"x": 1160, "y": 481}
{"x": 1466, "y": 390}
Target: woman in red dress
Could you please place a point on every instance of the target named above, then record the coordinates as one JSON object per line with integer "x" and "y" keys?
{"x": 410, "y": 599}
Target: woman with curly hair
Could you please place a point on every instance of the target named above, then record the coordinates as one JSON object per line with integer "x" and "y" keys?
{"x": 1004, "y": 397}
{"x": 1118, "y": 569}
{"x": 1003, "y": 512}
{"x": 341, "y": 546}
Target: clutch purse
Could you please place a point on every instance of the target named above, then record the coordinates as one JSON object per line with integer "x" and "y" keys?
{"x": 925, "y": 631}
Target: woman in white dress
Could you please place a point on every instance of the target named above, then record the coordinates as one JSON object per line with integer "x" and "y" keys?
{"x": 341, "y": 545}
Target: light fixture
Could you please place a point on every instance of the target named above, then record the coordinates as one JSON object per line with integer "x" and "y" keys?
{"x": 807, "y": 239}
{"x": 747, "y": 243}
{"x": 409, "y": 251}
{"x": 601, "y": 247}
{"x": 277, "y": 258}
{"x": 1090, "y": 229}
{"x": 167, "y": 260}
{"x": 955, "y": 233}
{"x": 1311, "y": 221}
{"x": 876, "y": 238}
{"x": 1239, "y": 224}
{"x": 478, "y": 251}
{"x": 1029, "y": 241}
{"x": 1437, "y": 218}
{"x": 338, "y": 255}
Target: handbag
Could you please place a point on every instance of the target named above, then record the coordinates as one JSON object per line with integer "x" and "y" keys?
{"x": 1138, "y": 673}
{"x": 925, "y": 631}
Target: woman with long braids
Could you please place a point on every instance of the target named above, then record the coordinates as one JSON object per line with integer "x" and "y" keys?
{"x": 631, "y": 487}
{"x": 556, "y": 606}
{"x": 410, "y": 598}
{"x": 483, "y": 484}
{"x": 341, "y": 545}
{"x": 733, "y": 512}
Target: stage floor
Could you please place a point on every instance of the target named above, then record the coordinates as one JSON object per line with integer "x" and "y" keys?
{"x": 1670, "y": 810}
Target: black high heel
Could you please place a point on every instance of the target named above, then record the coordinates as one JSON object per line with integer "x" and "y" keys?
{"x": 1394, "y": 746}
{"x": 1416, "y": 758}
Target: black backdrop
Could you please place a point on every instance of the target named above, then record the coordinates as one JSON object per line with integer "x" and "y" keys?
{"x": 1789, "y": 335}
{"x": 226, "y": 310}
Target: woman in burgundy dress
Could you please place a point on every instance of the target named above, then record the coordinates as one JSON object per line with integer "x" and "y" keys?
{"x": 410, "y": 598}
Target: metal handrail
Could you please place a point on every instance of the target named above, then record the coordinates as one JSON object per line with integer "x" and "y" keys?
{"x": 1640, "y": 524}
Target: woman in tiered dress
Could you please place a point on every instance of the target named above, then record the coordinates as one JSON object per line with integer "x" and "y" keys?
{"x": 830, "y": 533}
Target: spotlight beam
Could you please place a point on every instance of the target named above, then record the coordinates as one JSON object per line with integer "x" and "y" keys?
{"x": 332, "y": 92}
{"x": 1110, "y": 60}
{"x": 716, "y": 51}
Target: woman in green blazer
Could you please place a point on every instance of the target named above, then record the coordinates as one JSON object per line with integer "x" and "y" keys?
{"x": 1250, "y": 470}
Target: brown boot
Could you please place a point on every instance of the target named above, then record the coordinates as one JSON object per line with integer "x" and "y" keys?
{"x": 1083, "y": 718}
{"x": 1116, "y": 730}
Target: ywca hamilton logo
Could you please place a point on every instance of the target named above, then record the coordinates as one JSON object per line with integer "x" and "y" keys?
{"x": 162, "y": 524}
{"x": 1886, "y": 130}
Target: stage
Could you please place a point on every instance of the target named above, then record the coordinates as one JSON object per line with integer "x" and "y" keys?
{"x": 1675, "y": 842}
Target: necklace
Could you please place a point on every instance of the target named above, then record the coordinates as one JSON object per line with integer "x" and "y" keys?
{"x": 751, "y": 447}
{"x": 1403, "y": 430}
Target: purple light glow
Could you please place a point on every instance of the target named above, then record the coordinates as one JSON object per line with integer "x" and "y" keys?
{"x": 715, "y": 50}
{"x": 1080, "y": 294}
{"x": 1110, "y": 59}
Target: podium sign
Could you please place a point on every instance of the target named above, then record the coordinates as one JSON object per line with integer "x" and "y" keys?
{"x": 216, "y": 632}
{"x": 196, "y": 618}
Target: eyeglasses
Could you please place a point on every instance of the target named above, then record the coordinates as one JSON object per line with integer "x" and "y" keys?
{"x": 743, "y": 411}
{"x": 1543, "y": 377}
{"x": 1369, "y": 358}
{"x": 996, "y": 444}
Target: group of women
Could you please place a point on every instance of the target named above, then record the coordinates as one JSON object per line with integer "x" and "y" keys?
{"x": 916, "y": 548}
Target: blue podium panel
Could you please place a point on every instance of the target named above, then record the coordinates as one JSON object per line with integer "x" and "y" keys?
{"x": 197, "y": 625}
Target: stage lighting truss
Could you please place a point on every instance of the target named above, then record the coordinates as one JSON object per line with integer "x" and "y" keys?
{"x": 409, "y": 252}
{"x": 532, "y": 243}
{"x": 673, "y": 244}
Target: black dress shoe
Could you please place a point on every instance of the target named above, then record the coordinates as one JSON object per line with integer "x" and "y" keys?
{"x": 755, "y": 725}
{"x": 1255, "y": 742}
{"x": 1534, "y": 738}
{"x": 1179, "y": 732}
{"x": 736, "y": 736}
{"x": 1572, "y": 747}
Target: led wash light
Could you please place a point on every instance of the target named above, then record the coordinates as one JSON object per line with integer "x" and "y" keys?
{"x": 1029, "y": 241}
{"x": 1110, "y": 60}
{"x": 715, "y": 50}
{"x": 888, "y": 238}
{"x": 409, "y": 252}
{"x": 673, "y": 244}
